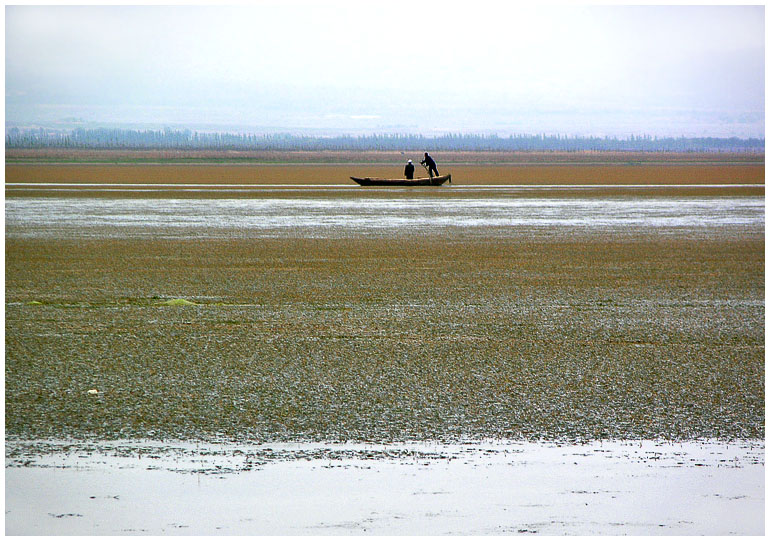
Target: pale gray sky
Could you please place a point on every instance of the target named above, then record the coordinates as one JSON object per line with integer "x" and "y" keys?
{"x": 392, "y": 66}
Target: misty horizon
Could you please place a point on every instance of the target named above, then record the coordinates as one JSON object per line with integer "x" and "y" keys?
{"x": 348, "y": 68}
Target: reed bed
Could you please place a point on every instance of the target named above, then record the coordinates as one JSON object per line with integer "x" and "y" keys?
{"x": 198, "y": 157}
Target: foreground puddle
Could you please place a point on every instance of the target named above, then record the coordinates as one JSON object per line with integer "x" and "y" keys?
{"x": 472, "y": 488}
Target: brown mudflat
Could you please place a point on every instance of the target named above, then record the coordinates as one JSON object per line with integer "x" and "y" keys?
{"x": 669, "y": 174}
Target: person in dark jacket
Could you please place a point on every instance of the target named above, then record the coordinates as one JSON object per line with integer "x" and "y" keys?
{"x": 409, "y": 170}
{"x": 430, "y": 164}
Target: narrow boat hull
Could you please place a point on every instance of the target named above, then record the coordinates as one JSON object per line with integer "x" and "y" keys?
{"x": 435, "y": 181}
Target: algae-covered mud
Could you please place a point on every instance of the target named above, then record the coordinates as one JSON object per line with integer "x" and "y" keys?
{"x": 330, "y": 318}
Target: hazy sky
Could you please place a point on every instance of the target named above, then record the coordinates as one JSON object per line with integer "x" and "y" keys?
{"x": 392, "y": 66}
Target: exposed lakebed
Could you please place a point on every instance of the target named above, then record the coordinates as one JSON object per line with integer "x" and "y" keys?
{"x": 484, "y": 327}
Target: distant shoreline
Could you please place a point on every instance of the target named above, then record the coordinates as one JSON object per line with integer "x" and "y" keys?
{"x": 327, "y": 157}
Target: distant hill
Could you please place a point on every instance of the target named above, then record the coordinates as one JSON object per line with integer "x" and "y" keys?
{"x": 104, "y": 138}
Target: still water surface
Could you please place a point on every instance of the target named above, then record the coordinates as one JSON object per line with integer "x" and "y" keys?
{"x": 327, "y": 215}
{"x": 420, "y": 488}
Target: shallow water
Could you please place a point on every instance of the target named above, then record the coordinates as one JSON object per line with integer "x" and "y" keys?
{"x": 327, "y": 215}
{"x": 474, "y": 488}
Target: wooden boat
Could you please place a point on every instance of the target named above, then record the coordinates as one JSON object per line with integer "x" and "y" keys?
{"x": 435, "y": 181}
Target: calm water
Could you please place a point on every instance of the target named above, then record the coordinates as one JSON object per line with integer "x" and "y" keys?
{"x": 478, "y": 488}
{"x": 329, "y": 214}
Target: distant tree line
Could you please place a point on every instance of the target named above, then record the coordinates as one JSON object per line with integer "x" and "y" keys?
{"x": 105, "y": 138}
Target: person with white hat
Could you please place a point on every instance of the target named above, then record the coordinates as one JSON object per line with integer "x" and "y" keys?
{"x": 409, "y": 170}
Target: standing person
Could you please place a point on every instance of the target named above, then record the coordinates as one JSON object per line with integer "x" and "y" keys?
{"x": 409, "y": 170}
{"x": 430, "y": 164}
